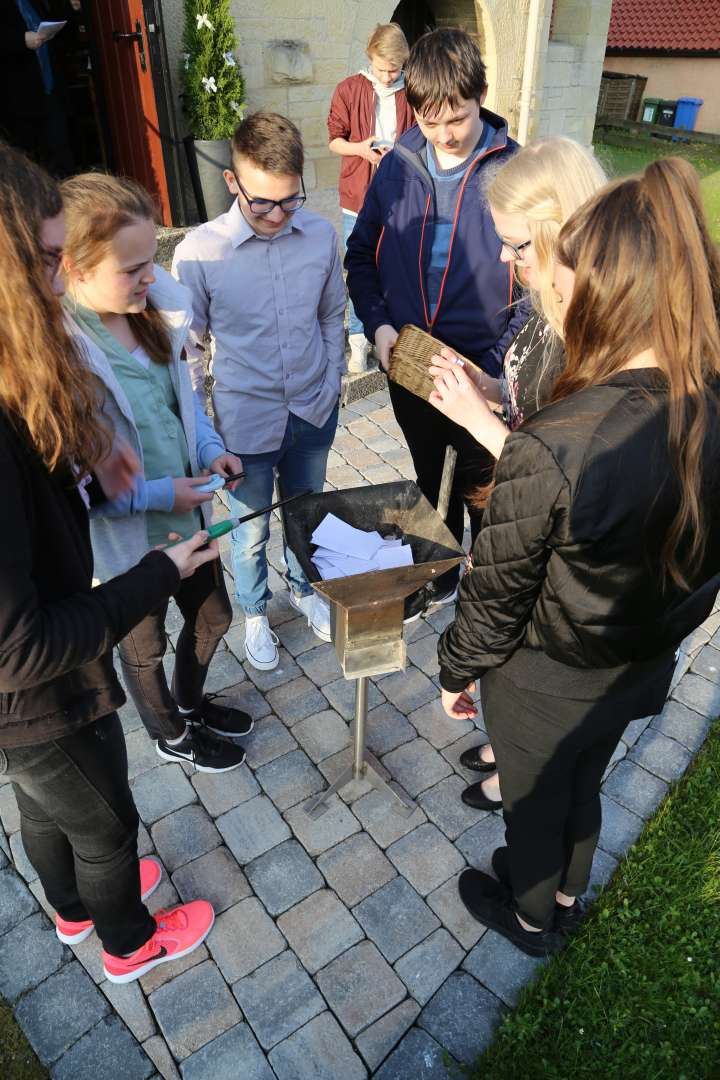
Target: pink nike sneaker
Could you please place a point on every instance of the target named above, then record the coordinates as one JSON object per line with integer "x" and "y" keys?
{"x": 178, "y": 932}
{"x": 72, "y": 933}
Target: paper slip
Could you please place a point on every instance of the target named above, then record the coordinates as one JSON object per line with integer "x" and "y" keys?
{"x": 344, "y": 551}
{"x": 48, "y": 30}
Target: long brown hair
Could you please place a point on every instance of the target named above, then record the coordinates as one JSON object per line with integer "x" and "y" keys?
{"x": 45, "y": 385}
{"x": 97, "y": 206}
{"x": 647, "y": 276}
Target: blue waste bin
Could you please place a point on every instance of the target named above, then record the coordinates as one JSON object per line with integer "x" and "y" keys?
{"x": 686, "y": 112}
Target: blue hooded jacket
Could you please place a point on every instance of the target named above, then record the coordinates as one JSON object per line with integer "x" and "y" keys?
{"x": 388, "y": 255}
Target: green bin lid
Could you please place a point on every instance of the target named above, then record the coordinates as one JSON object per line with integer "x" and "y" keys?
{"x": 652, "y": 101}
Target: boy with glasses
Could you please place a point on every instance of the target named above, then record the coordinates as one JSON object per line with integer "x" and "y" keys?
{"x": 266, "y": 283}
{"x": 424, "y": 251}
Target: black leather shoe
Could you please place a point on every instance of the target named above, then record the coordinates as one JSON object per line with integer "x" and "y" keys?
{"x": 221, "y": 719}
{"x": 567, "y": 919}
{"x": 491, "y": 904}
{"x": 473, "y": 795}
{"x": 470, "y": 759}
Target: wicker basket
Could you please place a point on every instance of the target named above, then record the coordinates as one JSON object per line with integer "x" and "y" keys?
{"x": 410, "y": 360}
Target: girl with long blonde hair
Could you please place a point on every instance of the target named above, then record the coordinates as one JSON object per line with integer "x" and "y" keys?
{"x": 600, "y": 548}
{"x": 530, "y": 198}
{"x": 135, "y": 318}
{"x": 61, "y": 740}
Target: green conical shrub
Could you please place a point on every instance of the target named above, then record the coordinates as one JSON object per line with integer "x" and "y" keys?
{"x": 214, "y": 90}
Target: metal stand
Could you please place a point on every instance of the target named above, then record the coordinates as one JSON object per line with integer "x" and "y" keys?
{"x": 364, "y": 765}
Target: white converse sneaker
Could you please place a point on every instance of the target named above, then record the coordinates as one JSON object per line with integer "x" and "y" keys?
{"x": 261, "y": 644}
{"x": 359, "y": 352}
{"x": 316, "y": 611}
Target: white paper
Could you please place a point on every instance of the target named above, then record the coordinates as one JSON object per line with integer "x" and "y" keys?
{"x": 344, "y": 551}
{"x": 48, "y": 30}
{"x": 338, "y": 535}
{"x": 389, "y": 557}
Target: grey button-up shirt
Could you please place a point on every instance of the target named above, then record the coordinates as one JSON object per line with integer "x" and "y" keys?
{"x": 275, "y": 311}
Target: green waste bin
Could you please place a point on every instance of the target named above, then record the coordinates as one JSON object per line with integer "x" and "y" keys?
{"x": 650, "y": 109}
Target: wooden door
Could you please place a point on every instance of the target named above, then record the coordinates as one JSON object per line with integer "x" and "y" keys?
{"x": 121, "y": 38}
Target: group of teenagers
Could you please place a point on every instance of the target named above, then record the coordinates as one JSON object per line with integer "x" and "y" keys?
{"x": 585, "y": 424}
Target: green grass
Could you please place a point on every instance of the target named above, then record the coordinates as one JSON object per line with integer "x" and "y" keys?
{"x": 621, "y": 154}
{"x": 636, "y": 994}
{"x": 17, "y": 1060}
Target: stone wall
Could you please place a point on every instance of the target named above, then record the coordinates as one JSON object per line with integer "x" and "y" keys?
{"x": 294, "y": 54}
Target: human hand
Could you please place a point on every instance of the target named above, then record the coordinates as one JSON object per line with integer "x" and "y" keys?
{"x": 457, "y": 396}
{"x": 225, "y": 465}
{"x": 33, "y": 40}
{"x": 186, "y": 497}
{"x": 459, "y": 706}
{"x": 365, "y": 150}
{"x": 189, "y": 554}
{"x": 118, "y": 470}
{"x": 385, "y": 338}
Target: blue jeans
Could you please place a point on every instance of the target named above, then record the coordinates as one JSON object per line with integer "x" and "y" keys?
{"x": 299, "y": 463}
{"x": 354, "y": 324}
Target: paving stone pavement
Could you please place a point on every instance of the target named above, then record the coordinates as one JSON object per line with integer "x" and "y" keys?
{"x": 341, "y": 948}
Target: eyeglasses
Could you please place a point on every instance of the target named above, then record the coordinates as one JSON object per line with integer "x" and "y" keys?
{"x": 517, "y": 249}
{"x": 261, "y": 207}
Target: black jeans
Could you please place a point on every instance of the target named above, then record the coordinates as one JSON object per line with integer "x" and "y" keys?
{"x": 551, "y": 754}
{"x": 427, "y": 433}
{"x": 79, "y": 827}
{"x": 207, "y": 614}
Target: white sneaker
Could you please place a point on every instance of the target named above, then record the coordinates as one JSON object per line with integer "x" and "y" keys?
{"x": 359, "y": 352}
{"x": 316, "y": 611}
{"x": 261, "y": 644}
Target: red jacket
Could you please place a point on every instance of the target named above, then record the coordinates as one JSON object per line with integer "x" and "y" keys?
{"x": 352, "y": 117}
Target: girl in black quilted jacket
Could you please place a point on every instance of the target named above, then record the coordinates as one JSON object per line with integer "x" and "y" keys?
{"x": 600, "y": 548}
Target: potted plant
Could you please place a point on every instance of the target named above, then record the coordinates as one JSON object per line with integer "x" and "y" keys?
{"x": 213, "y": 99}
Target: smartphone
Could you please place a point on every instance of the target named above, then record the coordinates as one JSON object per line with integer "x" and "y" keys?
{"x": 379, "y": 145}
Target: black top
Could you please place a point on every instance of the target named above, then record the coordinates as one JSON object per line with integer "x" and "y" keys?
{"x": 532, "y": 363}
{"x": 567, "y": 563}
{"x": 56, "y": 631}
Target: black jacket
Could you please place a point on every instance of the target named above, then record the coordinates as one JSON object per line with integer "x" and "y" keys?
{"x": 56, "y": 631}
{"x": 22, "y": 97}
{"x": 567, "y": 563}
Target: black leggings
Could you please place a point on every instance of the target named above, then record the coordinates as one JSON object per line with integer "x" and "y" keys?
{"x": 79, "y": 827}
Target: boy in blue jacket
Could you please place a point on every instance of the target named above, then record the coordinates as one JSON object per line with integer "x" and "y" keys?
{"x": 424, "y": 251}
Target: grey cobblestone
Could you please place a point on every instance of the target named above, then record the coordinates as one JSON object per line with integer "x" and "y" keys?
{"x": 383, "y": 823}
{"x": 322, "y": 734}
{"x": 634, "y": 730}
{"x": 698, "y": 694}
{"x": 284, "y": 876}
{"x": 682, "y": 724}
{"x": 278, "y": 998}
{"x": 289, "y": 779}
{"x": 500, "y": 967}
{"x": 360, "y": 986}
{"x": 243, "y": 938}
{"x": 334, "y": 767}
{"x": 707, "y": 664}
{"x": 445, "y": 808}
{"x": 295, "y": 700}
{"x": 376, "y": 1042}
{"x": 432, "y": 723}
{"x": 16, "y": 903}
{"x": 246, "y": 697}
{"x": 426, "y": 858}
{"x": 194, "y": 1008}
{"x": 418, "y": 1056}
{"x": 43, "y": 1014}
{"x": 660, "y": 755}
{"x": 109, "y": 1041}
{"x": 165, "y": 973}
{"x": 252, "y": 829}
{"x": 409, "y": 690}
{"x": 446, "y": 1017}
{"x": 296, "y": 636}
{"x": 286, "y": 670}
{"x": 341, "y": 695}
{"x": 453, "y": 752}
{"x": 423, "y": 654}
{"x": 416, "y": 766}
{"x": 159, "y": 1053}
{"x": 478, "y": 843}
{"x": 318, "y": 1051}
{"x": 453, "y": 914}
{"x": 426, "y": 967}
{"x": 270, "y": 740}
{"x": 635, "y": 789}
{"x": 318, "y": 834}
{"x": 185, "y": 835}
{"x": 29, "y": 953}
{"x": 9, "y": 813}
{"x": 215, "y": 877}
{"x": 220, "y": 792}
{"x": 356, "y": 868}
{"x": 620, "y": 827}
{"x": 129, "y": 1003}
{"x": 387, "y": 729}
{"x": 319, "y": 929}
{"x": 603, "y": 868}
{"x": 320, "y": 664}
{"x": 158, "y": 792}
{"x": 19, "y": 857}
{"x": 395, "y": 918}
{"x": 225, "y": 670}
{"x": 221, "y": 1059}
{"x": 141, "y": 753}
